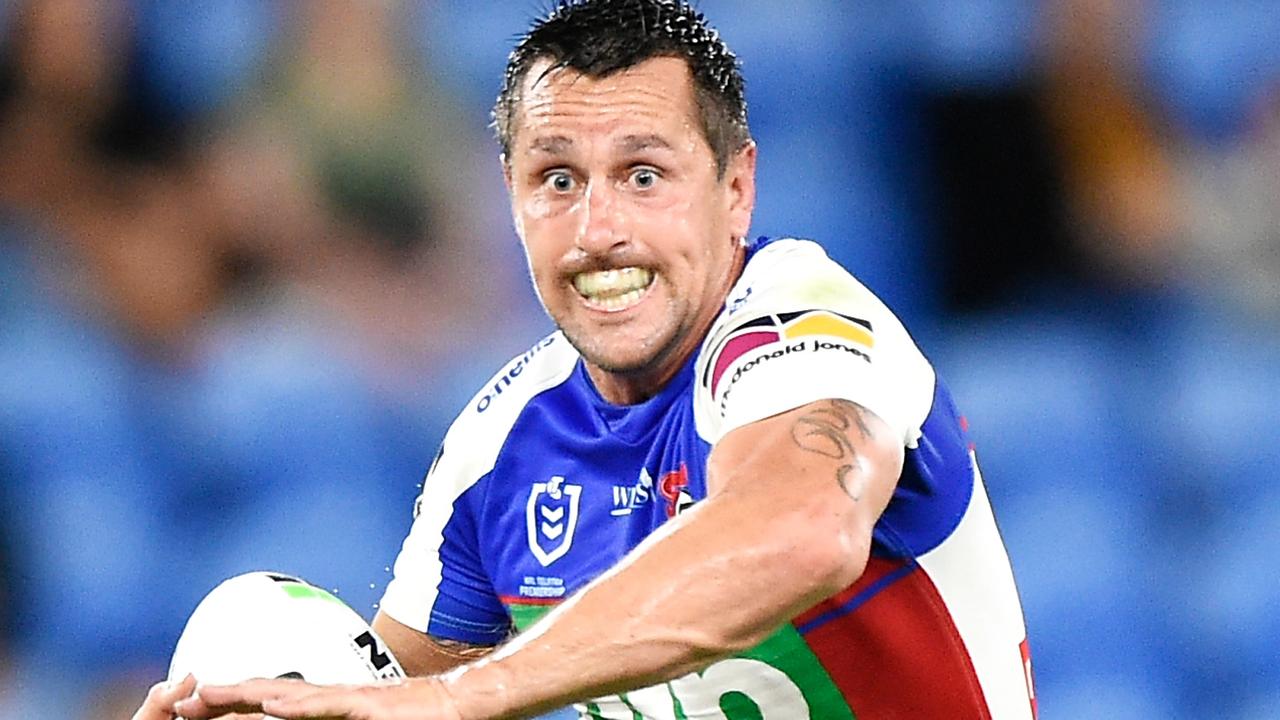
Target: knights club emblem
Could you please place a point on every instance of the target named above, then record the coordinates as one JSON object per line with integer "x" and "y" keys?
{"x": 551, "y": 516}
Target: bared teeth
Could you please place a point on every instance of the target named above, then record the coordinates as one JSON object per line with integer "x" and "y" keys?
{"x": 617, "y": 302}
{"x": 613, "y": 289}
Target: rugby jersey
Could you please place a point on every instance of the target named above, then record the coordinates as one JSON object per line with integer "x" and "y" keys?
{"x": 541, "y": 485}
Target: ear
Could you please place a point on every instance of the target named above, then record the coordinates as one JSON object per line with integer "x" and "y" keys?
{"x": 740, "y": 182}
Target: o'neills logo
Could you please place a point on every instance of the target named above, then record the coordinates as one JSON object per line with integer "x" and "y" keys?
{"x": 511, "y": 374}
{"x": 822, "y": 330}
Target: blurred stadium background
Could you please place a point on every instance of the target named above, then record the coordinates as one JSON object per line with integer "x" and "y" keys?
{"x": 255, "y": 255}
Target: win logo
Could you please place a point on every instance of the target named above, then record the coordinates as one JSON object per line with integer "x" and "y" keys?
{"x": 627, "y": 499}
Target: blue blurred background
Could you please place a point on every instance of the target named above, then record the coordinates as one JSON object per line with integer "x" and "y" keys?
{"x": 255, "y": 255}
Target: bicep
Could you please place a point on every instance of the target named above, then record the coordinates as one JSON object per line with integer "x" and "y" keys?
{"x": 420, "y": 654}
{"x": 829, "y": 451}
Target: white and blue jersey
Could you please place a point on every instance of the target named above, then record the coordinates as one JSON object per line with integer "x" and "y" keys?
{"x": 541, "y": 485}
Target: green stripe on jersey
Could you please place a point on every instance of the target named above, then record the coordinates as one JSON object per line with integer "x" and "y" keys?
{"x": 785, "y": 651}
{"x": 525, "y": 615}
{"x": 736, "y": 705}
{"x": 594, "y": 712}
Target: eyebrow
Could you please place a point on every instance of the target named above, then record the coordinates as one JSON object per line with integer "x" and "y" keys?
{"x": 551, "y": 145}
{"x": 559, "y": 144}
{"x": 638, "y": 143}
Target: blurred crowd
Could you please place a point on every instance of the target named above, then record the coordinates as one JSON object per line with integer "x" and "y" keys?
{"x": 255, "y": 256}
{"x": 249, "y": 268}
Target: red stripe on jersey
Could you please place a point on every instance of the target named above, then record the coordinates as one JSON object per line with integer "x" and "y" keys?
{"x": 897, "y": 654}
{"x": 518, "y": 600}
{"x": 876, "y": 571}
{"x": 1025, "y": 647}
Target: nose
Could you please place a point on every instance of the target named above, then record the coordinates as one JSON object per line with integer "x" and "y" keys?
{"x": 601, "y": 227}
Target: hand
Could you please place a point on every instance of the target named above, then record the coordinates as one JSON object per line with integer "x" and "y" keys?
{"x": 162, "y": 696}
{"x": 418, "y": 698}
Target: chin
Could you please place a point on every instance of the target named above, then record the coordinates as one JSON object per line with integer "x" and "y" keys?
{"x": 625, "y": 367}
{"x": 618, "y": 363}
{"x": 620, "y": 355}
{"x": 622, "y": 350}
{"x": 632, "y": 360}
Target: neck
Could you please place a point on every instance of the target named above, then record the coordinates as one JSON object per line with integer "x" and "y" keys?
{"x": 631, "y": 388}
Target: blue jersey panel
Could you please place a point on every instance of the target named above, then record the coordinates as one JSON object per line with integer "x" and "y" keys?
{"x": 466, "y": 608}
{"x": 582, "y": 481}
{"x": 934, "y": 488}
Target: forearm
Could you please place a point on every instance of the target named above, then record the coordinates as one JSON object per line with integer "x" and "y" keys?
{"x": 711, "y": 585}
{"x": 717, "y": 580}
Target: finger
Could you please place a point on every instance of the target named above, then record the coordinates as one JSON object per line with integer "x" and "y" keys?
{"x": 328, "y": 704}
{"x": 195, "y": 708}
{"x": 181, "y": 689}
{"x": 253, "y": 692}
{"x": 162, "y": 696}
{"x": 216, "y": 700}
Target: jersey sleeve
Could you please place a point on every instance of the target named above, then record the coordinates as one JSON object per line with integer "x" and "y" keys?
{"x": 440, "y": 586}
{"x": 799, "y": 328}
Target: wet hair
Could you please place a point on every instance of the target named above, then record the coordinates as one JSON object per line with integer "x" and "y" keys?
{"x": 598, "y": 38}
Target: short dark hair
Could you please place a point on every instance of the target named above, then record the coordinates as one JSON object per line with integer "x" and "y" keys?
{"x": 600, "y": 37}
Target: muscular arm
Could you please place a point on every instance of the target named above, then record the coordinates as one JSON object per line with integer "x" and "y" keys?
{"x": 791, "y": 503}
{"x": 420, "y": 654}
{"x": 787, "y": 521}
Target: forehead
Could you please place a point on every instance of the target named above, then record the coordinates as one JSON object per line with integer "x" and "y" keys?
{"x": 654, "y": 96}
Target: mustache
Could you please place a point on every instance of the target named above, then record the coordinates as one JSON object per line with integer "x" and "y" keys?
{"x": 613, "y": 259}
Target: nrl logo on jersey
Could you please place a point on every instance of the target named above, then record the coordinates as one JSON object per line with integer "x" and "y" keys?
{"x": 551, "y": 516}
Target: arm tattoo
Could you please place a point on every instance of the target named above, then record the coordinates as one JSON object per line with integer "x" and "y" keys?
{"x": 826, "y": 430}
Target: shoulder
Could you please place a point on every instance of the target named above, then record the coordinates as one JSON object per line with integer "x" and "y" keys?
{"x": 798, "y": 326}
{"x": 477, "y": 435}
{"x": 790, "y": 288}
{"x": 789, "y": 273}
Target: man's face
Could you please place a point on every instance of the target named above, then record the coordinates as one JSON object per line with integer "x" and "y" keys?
{"x": 631, "y": 237}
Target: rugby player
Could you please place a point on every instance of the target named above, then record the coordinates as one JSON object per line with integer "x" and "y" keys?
{"x": 729, "y": 486}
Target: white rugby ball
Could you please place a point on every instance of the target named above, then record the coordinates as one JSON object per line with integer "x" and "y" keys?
{"x": 265, "y": 624}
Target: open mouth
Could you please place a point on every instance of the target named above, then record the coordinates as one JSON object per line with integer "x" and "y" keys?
{"x": 613, "y": 290}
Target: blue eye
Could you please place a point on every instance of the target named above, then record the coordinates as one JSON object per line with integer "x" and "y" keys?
{"x": 560, "y": 181}
{"x": 644, "y": 178}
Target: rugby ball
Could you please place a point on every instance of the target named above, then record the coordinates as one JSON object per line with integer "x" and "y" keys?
{"x": 265, "y": 624}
